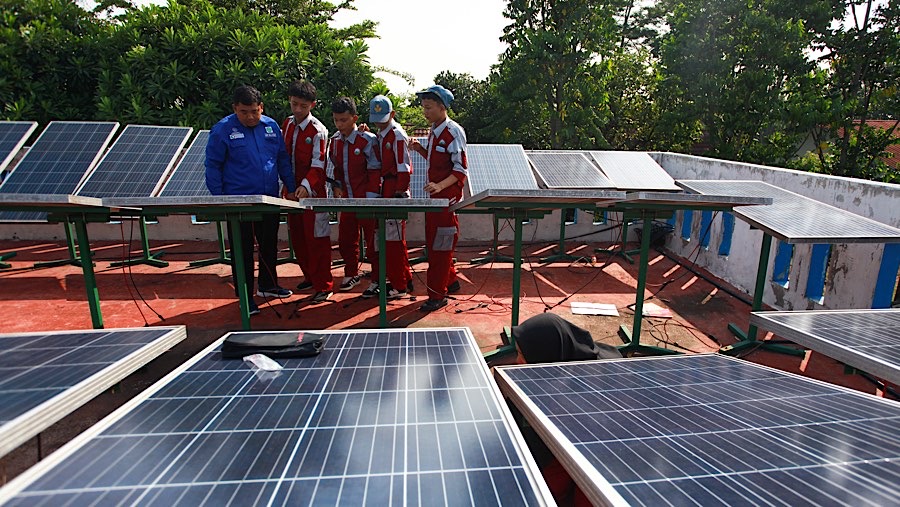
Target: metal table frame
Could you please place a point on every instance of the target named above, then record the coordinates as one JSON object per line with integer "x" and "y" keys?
{"x": 380, "y": 209}
{"x": 233, "y": 209}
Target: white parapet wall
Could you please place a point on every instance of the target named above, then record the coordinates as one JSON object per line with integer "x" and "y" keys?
{"x": 852, "y": 269}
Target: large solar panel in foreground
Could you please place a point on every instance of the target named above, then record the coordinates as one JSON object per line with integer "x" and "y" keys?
{"x": 567, "y": 169}
{"x": 868, "y": 340}
{"x": 493, "y": 166}
{"x": 794, "y": 218}
{"x": 633, "y": 170}
{"x": 46, "y": 375}
{"x": 710, "y": 430}
{"x": 13, "y": 135}
{"x": 137, "y": 163}
{"x": 57, "y": 162}
{"x": 189, "y": 176}
{"x": 389, "y": 417}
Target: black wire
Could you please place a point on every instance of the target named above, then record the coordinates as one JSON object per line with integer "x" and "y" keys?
{"x": 126, "y": 254}
{"x": 131, "y": 274}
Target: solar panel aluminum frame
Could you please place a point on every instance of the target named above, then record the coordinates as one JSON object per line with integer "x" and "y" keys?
{"x": 165, "y": 173}
{"x": 774, "y": 321}
{"x": 595, "y": 486}
{"x": 585, "y": 157}
{"x": 202, "y": 134}
{"x": 19, "y": 144}
{"x": 17, "y": 485}
{"x": 476, "y": 147}
{"x": 29, "y": 424}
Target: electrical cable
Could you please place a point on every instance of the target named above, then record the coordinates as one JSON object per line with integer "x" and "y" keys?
{"x": 126, "y": 254}
{"x": 131, "y": 274}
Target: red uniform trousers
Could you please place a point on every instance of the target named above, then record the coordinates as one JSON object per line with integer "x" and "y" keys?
{"x": 348, "y": 243}
{"x": 397, "y": 266}
{"x": 441, "y": 243}
{"x": 313, "y": 254}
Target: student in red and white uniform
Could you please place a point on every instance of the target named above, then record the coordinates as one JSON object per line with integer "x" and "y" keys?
{"x": 353, "y": 160}
{"x": 395, "y": 173}
{"x": 447, "y": 172}
{"x": 306, "y": 138}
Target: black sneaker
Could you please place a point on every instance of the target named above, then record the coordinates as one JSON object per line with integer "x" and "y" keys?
{"x": 393, "y": 293}
{"x": 349, "y": 282}
{"x": 372, "y": 291}
{"x": 304, "y": 285}
{"x": 276, "y": 292}
{"x": 321, "y": 296}
{"x": 453, "y": 288}
{"x": 433, "y": 304}
{"x": 253, "y": 309}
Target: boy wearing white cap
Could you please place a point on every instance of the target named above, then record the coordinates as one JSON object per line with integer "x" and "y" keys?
{"x": 395, "y": 173}
{"x": 447, "y": 171}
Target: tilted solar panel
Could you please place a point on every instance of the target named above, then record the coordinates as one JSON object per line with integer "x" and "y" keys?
{"x": 633, "y": 170}
{"x": 57, "y": 162}
{"x": 46, "y": 375}
{"x": 13, "y": 135}
{"x": 419, "y": 176}
{"x": 567, "y": 169}
{"x": 710, "y": 430}
{"x": 137, "y": 163}
{"x": 189, "y": 176}
{"x": 495, "y": 166}
{"x": 389, "y": 417}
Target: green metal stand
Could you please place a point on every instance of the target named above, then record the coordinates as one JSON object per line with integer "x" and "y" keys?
{"x": 74, "y": 257}
{"x": 239, "y": 281}
{"x": 292, "y": 256}
{"x": 146, "y": 257}
{"x": 494, "y": 255}
{"x": 621, "y": 250}
{"x": 90, "y": 283}
{"x": 223, "y": 257}
{"x": 3, "y": 257}
{"x": 632, "y": 337}
{"x": 382, "y": 275}
{"x": 560, "y": 254}
{"x": 749, "y": 339}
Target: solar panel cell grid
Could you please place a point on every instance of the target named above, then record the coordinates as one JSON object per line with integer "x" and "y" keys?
{"x": 493, "y": 166}
{"x": 567, "y": 169}
{"x": 379, "y": 418}
{"x": 712, "y": 430}
{"x": 631, "y": 170}
{"x": 137, "y": 162}
{"x": 189, "y": 176}
{"x": 13, "y": 135}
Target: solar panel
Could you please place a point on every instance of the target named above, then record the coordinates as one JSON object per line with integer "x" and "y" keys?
{"x": 57, "y": 162}
{"x": 419, "y": 176}
{"x": 567, "y": 169}
{"x": 390, "y": 417}
{"x": 13, "y": 135}
{"x": 46, "y": 375}
{"x": 137, "y": 163}
{"x": 493, "y": 166}
{"x": 868, "y": 340}
{"x": 710, "y": 430}
{"x": 794, "y": 218}
{"x": 633, "y": 170}
{"x": 189, "y": 176}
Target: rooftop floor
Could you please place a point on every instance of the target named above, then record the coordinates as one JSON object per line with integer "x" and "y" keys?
{"x": 202, "y": 299}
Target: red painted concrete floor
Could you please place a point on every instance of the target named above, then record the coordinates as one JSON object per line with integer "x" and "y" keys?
{"x": 202, "y": 299}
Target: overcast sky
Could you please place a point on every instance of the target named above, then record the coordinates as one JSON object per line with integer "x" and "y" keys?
{"x": 424, "y": 37}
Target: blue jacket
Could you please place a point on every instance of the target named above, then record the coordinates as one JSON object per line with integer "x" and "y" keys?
{"x": 247, "y": 161}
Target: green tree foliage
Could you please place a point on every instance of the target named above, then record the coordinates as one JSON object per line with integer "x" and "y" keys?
{"x": 732, "y": 71}
{"x": 51, "y": 52}
{"x": 165, "y": 65}
{"x": 861, "y": 54}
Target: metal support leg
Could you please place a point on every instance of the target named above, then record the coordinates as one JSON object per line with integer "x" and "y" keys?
{"x": 494, "y": 255}
{"x": 223, "y": 257}
{"x": 561, "y": 254}
{"x": 6, "y": 256}
{"x": 633, "y": 337}
{"x": 382, "y": 276}
{"x": 292, "y": 256}
{"x": 74, "y": 257}
{"x": 146, "y": 257}
{"x": 239, "y": 282}
{"x": 622, "y": 251}
{"x": 748, "y": 339}
{"x": 509, "y": 346}
{"x": 90, "y": 283}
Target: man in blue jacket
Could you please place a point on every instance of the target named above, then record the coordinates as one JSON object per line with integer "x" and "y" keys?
{"x": 245, "y": 155}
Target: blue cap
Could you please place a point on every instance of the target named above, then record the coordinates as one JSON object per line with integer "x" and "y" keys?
{"x": 445, "y": 95}
{"x": 380, "y": 109}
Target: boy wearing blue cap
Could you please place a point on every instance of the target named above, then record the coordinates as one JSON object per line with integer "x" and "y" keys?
{"x": 395, "y": 173}
{"x": 353, "y": 161}
{"x": 447, "y": 171}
